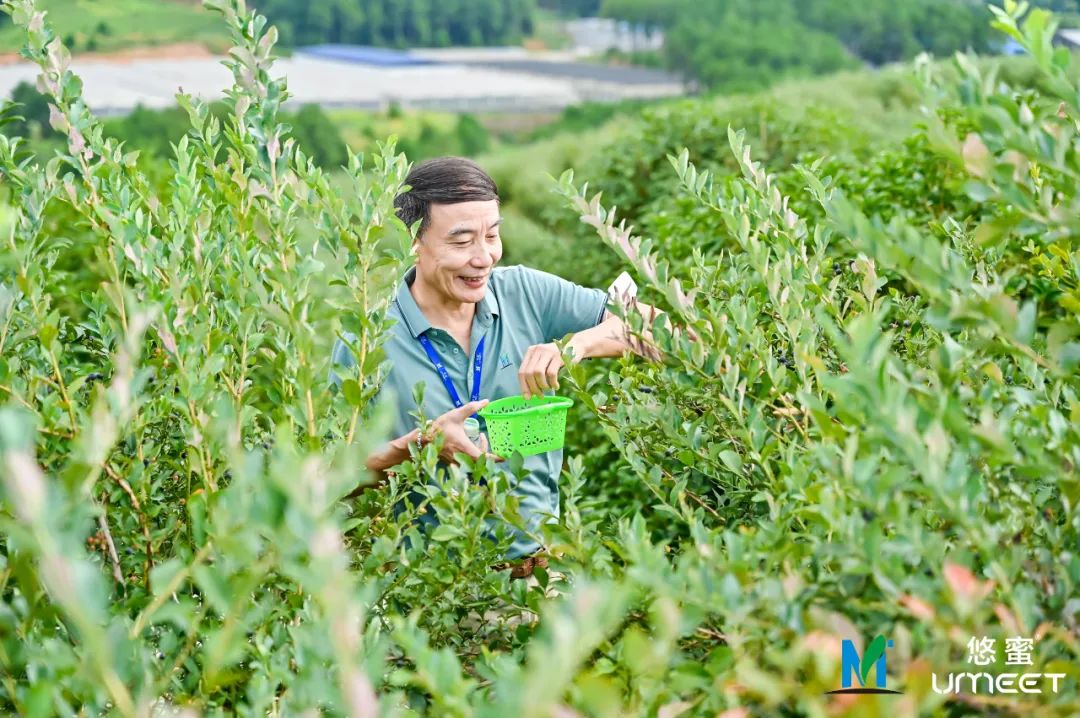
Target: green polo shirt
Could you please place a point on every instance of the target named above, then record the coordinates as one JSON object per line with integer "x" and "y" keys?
{"x": 521, "y": 307}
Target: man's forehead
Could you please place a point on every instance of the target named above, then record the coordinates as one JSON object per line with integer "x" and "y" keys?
{"x": 464, "y": 213}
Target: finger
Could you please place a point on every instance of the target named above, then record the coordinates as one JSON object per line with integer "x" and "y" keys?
{"x": 551, "y": 373}
{"x": 538, "y": 375}
{"x": 485, "y": 447}
{"x": 467, "y": 410}
{"x": 533, "y": 380}
{"x": 525, "y": 370}
{"x": 546, "y": 373}
{"x": 469, "y": 449}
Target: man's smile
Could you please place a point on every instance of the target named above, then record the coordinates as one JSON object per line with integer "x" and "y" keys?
{"x": 474, "y": 281}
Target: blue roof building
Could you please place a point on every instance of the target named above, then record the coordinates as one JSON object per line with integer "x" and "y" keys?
{"x": 361, "y": 55}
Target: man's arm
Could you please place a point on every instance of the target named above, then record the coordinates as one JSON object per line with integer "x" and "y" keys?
{"x": 540, "y": 366}
{"x": 379, "y": 461}
{"x": 450, "y": 425}
{"x": 567, "y": 308}
{"x": 612, "y": 337}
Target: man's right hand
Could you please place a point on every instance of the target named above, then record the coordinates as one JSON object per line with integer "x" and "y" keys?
{"x": 452, "y": 427}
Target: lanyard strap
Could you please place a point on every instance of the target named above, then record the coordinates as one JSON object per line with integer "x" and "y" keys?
{"x": 478, "y": 368}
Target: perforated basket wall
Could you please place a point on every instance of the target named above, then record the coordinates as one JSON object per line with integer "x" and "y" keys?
{"x": 530, "y": 426}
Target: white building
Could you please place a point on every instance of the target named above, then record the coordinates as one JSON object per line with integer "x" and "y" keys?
{"x": 597, "y": 35}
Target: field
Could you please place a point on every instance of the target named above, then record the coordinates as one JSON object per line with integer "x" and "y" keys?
{"x": 864, "y": 470}
{"x": 97, "y": 25}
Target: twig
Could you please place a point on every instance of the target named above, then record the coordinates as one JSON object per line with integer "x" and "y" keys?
{"x": 17, "y": 397}
{"x": 697, "y": 499}
{"x": 710, "y": 633}
{"x": 51, "y": 432}
{"x": 118, "y": 575}
{"x": 63, "y": 391}
{"x": 189, "y": 644}
{"x": 142, "y": 521}
{"x": 167, "y": 591}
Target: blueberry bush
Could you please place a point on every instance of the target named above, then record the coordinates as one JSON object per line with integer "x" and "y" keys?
{"x": 876, "y": 431}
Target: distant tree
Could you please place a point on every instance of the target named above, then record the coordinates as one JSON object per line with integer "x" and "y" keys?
{"x": 644, "y": 12}
{"x": 746, "y": 44}
{"x": 151, "y": 131}
{"x": 318, "y": 136}
{"x": 729, "y": 44}
{"x": 318, "y": 24}
{"x": 33, "y": 109}
{"x": 397, "y": 23}
{"x": 472, "y": 136}
{"x": 154, "y": 132}
{"x": 573, "y": 8}
{"x": 349, "y": 20}
{"x": 419, "y": 15}
{"x": 1072, "y": 6}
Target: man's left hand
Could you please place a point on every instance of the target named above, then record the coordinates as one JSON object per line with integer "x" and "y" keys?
{"x": 539, "y": 370}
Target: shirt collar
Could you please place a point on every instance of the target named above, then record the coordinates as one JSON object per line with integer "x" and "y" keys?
{"x": 418, "y": 323}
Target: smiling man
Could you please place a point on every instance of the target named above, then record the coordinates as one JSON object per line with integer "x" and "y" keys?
{"x": 474, "y": 332}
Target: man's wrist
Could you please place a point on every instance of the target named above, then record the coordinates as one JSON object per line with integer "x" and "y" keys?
{"x": 577, "y": 345}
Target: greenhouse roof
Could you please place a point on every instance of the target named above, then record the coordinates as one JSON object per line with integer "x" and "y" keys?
{"x": 379, "y": 56}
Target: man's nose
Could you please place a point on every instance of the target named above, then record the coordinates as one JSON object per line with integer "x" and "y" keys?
{"x": 482, "y": 257}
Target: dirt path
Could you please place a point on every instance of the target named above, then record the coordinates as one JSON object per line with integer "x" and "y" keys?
{"x": 175, "y": 51}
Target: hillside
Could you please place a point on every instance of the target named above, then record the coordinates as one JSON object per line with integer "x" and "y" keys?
{"x": 89, "y": 26}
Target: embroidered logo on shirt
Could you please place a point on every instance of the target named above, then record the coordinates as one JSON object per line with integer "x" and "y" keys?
{"x": 504, "y": 360}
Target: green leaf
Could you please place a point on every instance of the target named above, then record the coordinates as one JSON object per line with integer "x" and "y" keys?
{"x": 215, "y": 589}
{"x": 1025, "y": 323}
{"x": 873, "y": 652}
{"x": 731, "y": 460}
{"x": 46, "y": 334}
{"x": 445, "y": 533}
{"x": 197, "y": 511}
{"x": 351, "y": 389}
{"x": 163, "y": 574}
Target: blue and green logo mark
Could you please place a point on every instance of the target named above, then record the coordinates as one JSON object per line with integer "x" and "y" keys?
{"x": 861, "y": 666}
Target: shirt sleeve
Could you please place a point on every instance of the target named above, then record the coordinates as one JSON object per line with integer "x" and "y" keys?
{"x": 562, "y": 306}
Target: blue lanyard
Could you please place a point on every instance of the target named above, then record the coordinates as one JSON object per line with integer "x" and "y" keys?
{"x": 478, "y": 368}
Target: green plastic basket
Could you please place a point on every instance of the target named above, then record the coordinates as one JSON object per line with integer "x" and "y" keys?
{"x": 529, "y": 426}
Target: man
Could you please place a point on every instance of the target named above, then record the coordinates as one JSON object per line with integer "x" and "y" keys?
{"x": 479, "y": 321}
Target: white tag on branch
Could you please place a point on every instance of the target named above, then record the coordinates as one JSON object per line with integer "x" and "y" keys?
{"x": 623, "y": 289}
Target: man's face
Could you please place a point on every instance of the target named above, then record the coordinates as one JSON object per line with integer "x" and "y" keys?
{"x": 459, "y": 248}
